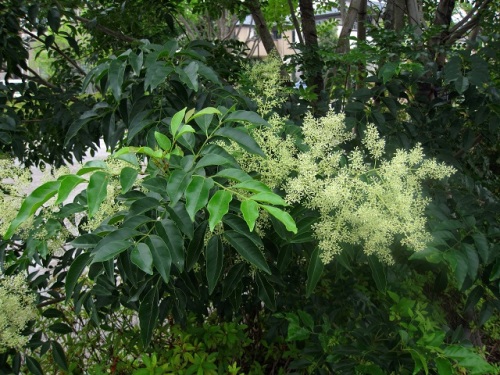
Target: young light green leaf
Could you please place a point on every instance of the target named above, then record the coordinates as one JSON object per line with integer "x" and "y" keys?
{"x": 97, "y": 191}
{"x": 68, "y": 183}
{"x": 314, "y": 271}
{"x": 214, "y": 254}
{"x": 183, "y": 130}
{"x": 197, "y": 194}
{"x": 163, "y": 141}
{"x": 32, "y": 203}
{"x": 282, "y": 216}
{"x": 250, "y": 211}
{"x": 176, "y": 121}
{"x": 127, "y": 178}
{"x": 247, "y": 249}
{"x": 150, "y": 152}
{"x": 218, "y": 206}
{"x": 241, "y": 136}
{"x": 142, "y": 258}
{"x": 271, "y": 198}
{"x": 203, "y": 112}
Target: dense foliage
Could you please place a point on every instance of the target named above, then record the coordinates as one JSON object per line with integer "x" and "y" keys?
{"x": 238, "y": 225}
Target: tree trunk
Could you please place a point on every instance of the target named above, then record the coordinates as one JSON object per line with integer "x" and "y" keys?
{"x": 261, "y": 25}
{"x": 442, "y": 18}
{"x": 361, "y": 38}
{"x": 415, "y": 15}
{"x": 313, "y": 64}
{"x": 345, "y": 33}
{"x": 295, "y": 22}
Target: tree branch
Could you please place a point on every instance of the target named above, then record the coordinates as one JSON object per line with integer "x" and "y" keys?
{"x": 36, "y": 77}
{"x": 295, "y": 22}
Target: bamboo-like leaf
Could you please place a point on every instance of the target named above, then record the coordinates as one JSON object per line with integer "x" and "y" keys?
{"x": 32, "y": 203}
{"x": 250, "y": 211}
{"x": 247, "y": 249}
{"x": 217, "y": 207}
{"x": 214, "y": 254}
{"x": 97, "y": 191}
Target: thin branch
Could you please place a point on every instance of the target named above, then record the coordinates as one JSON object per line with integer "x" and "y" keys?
{"x": 50, "y": 302}
{"x": 106, "y": 30}
{"x": 295, "y": 22}
{"x": 469, "y": 15}
{"x": 36, "y": 77}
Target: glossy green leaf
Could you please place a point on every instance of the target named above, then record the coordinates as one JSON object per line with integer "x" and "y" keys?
{"x": 254, "y": 186}
{"x": 472, "y": 260}
{"x": 192, "y": 75}
{"x": 265, "y": 291}
{"x": 378, "y": 273}
{"x": 282, "y": 216}
{"x": 241, "y": 136}
{"x": 246, "y": 116}
{"x": 482, "y": 246}
{"x": 115, "y": 77}
{"x": 176, "y": 121}
{"x": 172, "y": 237}
{"x": 110, "y": 251}
{"x": 197, "y": 194}
{"x": 128, "y": 177}
{"x": 247, "y": 249}
{"x": 233, "y": 278}
{"x": 33, "y": 366}
{"x": 162, "y": 259}
{"x": 143, "y": 205}
{"x": 148, "y": 316}
{"x": 59, "y": 356}
{"x": 204, "y": 112}
{"x": 250, "y": 211}
{"x": 236, "y": 223}
{"x": 214, "y": 255}
{"x": 163, "y": 141}
{"x": 184, "y": 129}
{"x": 217, "y": 207}
{"x": 142, "y": 258}
{"x": 177, "y": 184}
{"x": 68, "y": 184}
{"x": 74, "y": 273}
{"x": 443, "y": 366}
{"x": 32, "y": 203}
{"x": 212, "y": 159}
{"x": 179, "y": 215}
{"x": 54, "y": 19}
{"x": 156, "y": 74}
{"x": 314, "y": 271}
{"x": 453, "y": 69}
{"x": 136, "y": 61}
{"x": 196, "y": 246}
{"x": 97, "y": 191}
{"x": 270, "y": 198}
{"x": 86, "y": 241}
{"x": 233, "y": 174}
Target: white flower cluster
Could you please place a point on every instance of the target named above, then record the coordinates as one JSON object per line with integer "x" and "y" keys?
{"x": 17, "y": 308}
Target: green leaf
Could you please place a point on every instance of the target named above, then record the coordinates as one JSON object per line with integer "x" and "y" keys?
{"x": 110, "y": 251}
{"x": 254, "y": 186}
{"x": 195, "y": 246}
{"x": 282, "y": 216}
{"x": 214, "y": 255}
{"x": 247, "y": 249}
{"x": 128, "y": 176}
{"x": 458, "y": 263}
{"x": 136, "y": 62}
{"x": 271, "y": 198}
{"x": 142, "y": 258}
{"x": 61, "y": 328}
{"x": 74, "y": 273}
{"x": 162, "y": 259}
{"x": 388, "y": 70}
{"x": 241, "y": 136}
{"x": 143, "y": 205}
{"x": 233, "y": 278}
{"x": 176, "y": 121}
{"x": 265, "y": 291}
{"x": 378, "y": 273}
{"x": 472, "y": 260}
{"x": 97, "y": 191}
{"x": 314, "y": 271}
{"x": 250, "y": 211}
{"x": 183, "y": 130}
{"x": 115, "y": 77}
{"x": 452, "y": 69}
{"x": 479, "y": 73}
{"x": 482, "y": 246}
{"x": 177, "y": 184}
{"x": 163, "y": 141}
{"x": 68, "y": 183}
{"x": 86, "y": 241}
{"x": 246, "y": 116}
{"x": 192, "y": 74}
{"x": 54, "y": 19}
{"x": 33, "y": 366}
{"x": 444, "y": 366}
{"x": 197, "y": 194}
{"x": 156, "y": 74}
{"x": 233, "y": 174}
{"x": 59, "y": 356}
{"x": 461, "y": 84}
{"x": 180, "y": 216}
{"x": 204, "y": 112}
{"x": 172, "y": 237}
{"x": 217, "y": 207}
{"x": 212, "y": 159}
{"x": 32, "y": 203}
{"x": 148, "y": 316}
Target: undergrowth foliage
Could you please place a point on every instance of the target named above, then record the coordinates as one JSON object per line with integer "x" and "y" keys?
{"x": 207, "y": 219}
